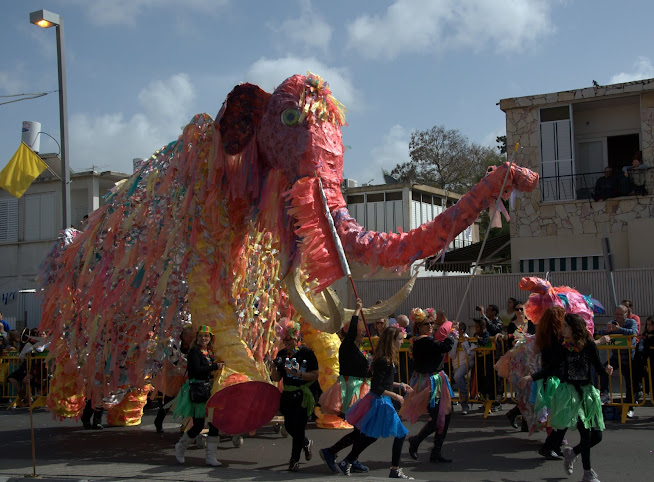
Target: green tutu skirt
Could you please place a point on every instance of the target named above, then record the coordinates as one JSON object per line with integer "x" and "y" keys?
{"x": 183, "y": 406}
{"x": 567, "y": 407}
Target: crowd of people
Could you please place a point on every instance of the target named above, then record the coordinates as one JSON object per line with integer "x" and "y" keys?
{"x": 371, "y": 395}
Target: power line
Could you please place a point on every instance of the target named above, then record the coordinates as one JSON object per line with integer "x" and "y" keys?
{"x": 25, "y": 96}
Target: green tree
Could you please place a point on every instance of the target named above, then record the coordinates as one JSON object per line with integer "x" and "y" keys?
{"x": 445, "y": 158}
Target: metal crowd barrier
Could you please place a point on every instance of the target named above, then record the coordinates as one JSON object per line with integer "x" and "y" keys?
{"x": 37, "y": 366}
{"x": 483, "y": 367}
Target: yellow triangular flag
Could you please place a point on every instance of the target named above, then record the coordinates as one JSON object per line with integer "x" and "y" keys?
{"x": 21, "y": 171}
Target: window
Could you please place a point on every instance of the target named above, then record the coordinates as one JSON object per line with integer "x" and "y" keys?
{"x": 40, "y": 216}
{"x": 8, "y": 220}
{"x": 556, "y": 154}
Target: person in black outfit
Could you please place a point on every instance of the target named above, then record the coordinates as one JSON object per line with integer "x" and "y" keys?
{"x": 428, "y": 355}
{"x": 298, "y": 369}
{"x": 549, "y": 342}
{"x": 576, "y": 402}
{"x": 354, "y": 376}
{"x": 374, "y": 414}
{"x": 202, "y": 364}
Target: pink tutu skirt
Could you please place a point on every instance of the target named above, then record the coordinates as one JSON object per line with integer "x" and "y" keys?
{"x": 353, "y": 388}
{"x": 424, "y": 391}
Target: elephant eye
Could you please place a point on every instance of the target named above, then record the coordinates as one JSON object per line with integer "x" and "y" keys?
{"x": 291, "y": 117}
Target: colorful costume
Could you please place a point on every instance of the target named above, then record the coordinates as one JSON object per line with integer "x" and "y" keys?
{"x": 374, "y": 415}
{"x": 432, "y": 393}
{"x": 353, "y": 382}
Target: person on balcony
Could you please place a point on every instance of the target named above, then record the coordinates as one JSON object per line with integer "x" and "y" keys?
{"x": 606, "y": 186}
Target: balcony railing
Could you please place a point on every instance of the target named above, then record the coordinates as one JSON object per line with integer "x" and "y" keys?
{"x": 639, "y": 182}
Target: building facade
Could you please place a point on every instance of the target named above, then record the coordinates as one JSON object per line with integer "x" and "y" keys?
{"x": 570, "y": 138}
{"x": 405, "y": 206}
{"x": 30, "y": 225}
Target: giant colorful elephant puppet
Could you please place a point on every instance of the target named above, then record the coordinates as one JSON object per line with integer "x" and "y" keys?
{"x": 228, "y": 219}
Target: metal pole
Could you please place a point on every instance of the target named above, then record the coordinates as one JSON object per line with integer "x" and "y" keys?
{"x": 63, "y": 125}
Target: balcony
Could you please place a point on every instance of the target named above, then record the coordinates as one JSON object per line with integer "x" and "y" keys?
{"x": 639, "y": 182}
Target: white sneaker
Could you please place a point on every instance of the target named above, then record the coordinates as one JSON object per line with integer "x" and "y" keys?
{"x": 605, "y": 398}
{"x": 630, "y": 414}
{"x": 569, "y": 459}
{"x": 590, "y": 476}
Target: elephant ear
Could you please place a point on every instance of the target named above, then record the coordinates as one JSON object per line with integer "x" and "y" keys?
{"x": 240, "y": 115}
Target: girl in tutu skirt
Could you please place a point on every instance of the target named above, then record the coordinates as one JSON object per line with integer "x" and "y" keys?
{"x": 202, "y": 364}
{"x": 549, "y": 343}
{"x": 576, "y": 402}
{"x": 374, "y": 415}
{"x": 351, "y": 385}
{"x": 431, "y": 388}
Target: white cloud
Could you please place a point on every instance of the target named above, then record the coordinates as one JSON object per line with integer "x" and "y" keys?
{"x": 308, "y": 30}
{"x": 410, "y": 26}
{"x": 112, "y": 140}
{"x": 391, "y": 151}
{"x": 269, "y": 73}
{"x": 11, "y": 84}
{"x": 643, "y": 69}
{"x": 490, "y": 139}
{"x": 125, "y": 12}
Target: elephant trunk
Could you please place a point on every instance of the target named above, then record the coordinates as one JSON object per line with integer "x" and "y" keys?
{"x": 400, "y": 249}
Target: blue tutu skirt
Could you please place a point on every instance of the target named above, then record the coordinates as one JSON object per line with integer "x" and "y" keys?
{"x": 376, "y": 417}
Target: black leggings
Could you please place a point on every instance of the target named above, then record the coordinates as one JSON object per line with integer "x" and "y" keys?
{"x": 589, "y": 437}
{"x": 345, "y": 441}
{"x": 198, "y": 425}
{"x": 431, "y": 427}
{"x": 363, "y": 441}
{"x": 295, "y": 421}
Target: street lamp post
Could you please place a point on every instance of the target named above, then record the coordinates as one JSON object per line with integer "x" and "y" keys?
{"x": 46, "y": 19}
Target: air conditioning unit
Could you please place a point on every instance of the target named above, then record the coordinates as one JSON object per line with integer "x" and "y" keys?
{"x": 349, "y": 183}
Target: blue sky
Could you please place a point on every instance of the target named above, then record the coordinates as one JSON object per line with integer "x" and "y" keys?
{"x": 139, "y": 69}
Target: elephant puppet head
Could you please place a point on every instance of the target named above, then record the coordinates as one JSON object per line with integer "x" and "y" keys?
{"x": 293, "y": 140}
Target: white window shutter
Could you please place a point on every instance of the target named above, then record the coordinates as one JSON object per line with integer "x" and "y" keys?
{"x": 8, "y": 220}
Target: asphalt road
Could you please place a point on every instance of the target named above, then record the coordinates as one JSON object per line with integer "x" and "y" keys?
{"x": 483, "y": 450}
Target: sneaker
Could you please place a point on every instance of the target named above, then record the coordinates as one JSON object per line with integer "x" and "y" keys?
{"x": 496, "y": 406}
{"x": 464, "y": 409}
{"x": 308, "y": 450}
{"x": 549, "y": 454}
{"x": 344, "y": 466}
{"x": 630, "y": 413}
{"x": 398, "y": 474}
{"x": 639, "y": 396}
{"x": 605, "y": 398}
{"x": 358, "y": 467}
{"x": 97, "y": 426}
{"x": 87, "y": 425}
{"x": 293, "y": 465}
{"x": 569, "y": 459}
{"x": 413, "y": 449}
{"x": 590, "y": 476}
{"x": 329, "y": 458}
{"x": 158, "y": 426}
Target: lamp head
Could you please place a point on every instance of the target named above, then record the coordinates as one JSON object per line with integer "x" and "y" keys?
{"x": 44, "y": 18}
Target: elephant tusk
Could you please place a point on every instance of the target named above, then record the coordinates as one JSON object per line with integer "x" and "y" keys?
{"x": 306, "y": 308}
{"x": 386, "y": 308}
{"x": 319, "y": 300}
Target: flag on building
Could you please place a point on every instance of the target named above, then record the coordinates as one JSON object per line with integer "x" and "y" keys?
{"x": 23, "y": 168}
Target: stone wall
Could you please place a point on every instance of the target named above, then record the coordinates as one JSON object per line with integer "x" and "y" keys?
{"x": 533, "y": 218}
